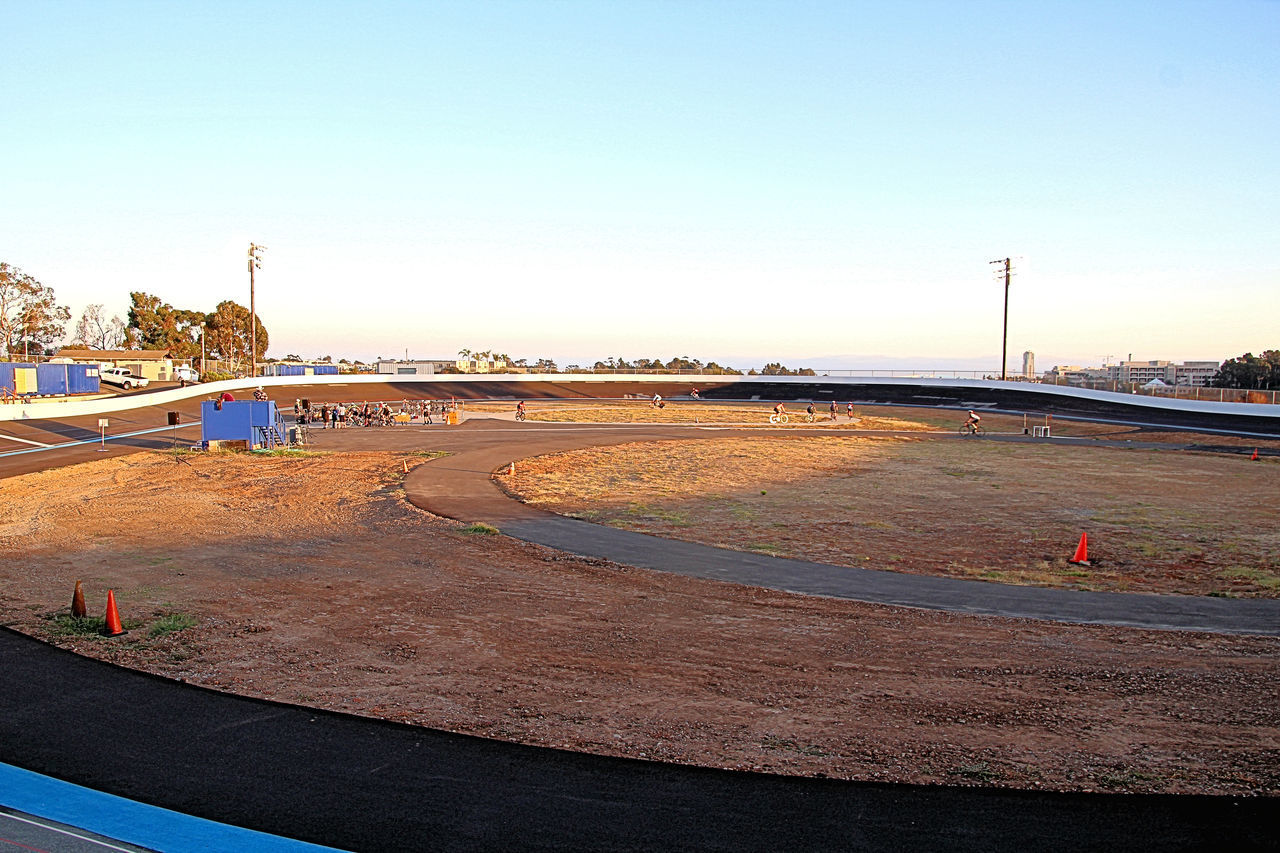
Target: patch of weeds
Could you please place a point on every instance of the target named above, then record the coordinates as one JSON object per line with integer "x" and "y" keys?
{"x": 288, "y": 453}
{"x": 480, "y": 529}
{"x": 1125, "y": 779}
{"x": 1260, "y": 577}
{"x": 170, "y": 623}
{"x": 765, "y": 547}
{"x": 66, "y": 625}
{"x": 673, "y": 517}
{"x": 979, "y": 772}
{"x": 1150, "y": 549}
{"x": 429, "y": 454}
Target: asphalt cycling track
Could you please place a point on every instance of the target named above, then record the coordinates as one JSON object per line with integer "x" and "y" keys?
{"x": 362, "y": 784}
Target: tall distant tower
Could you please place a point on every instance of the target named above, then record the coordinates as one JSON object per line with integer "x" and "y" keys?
{"x": 1029, "y": 364}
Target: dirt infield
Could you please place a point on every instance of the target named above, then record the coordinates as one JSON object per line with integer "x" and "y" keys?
{"x": 1187, "y": 523}
{"x": 310, "y": 580}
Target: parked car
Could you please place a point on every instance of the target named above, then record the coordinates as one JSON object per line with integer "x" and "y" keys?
{"x": 185, "y": 374}
{"x": 122, "y": 377}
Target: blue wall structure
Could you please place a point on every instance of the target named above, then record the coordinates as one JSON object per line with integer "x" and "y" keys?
{"x": 300, "y": 370}
{"x": 50, "y": 379}
{"x": 240, "y": 420}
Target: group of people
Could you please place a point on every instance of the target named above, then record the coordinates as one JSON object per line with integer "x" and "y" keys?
{"x": 366, "y": 414}
{"x": 781, "y": 409}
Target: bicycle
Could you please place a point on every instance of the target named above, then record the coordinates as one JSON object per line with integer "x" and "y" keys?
{"x": 519, "y": 414}
{"x": 972, "y": 429}
{"x": 778, "y": 418}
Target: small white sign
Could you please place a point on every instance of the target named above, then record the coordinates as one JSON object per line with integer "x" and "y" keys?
{"x": 102, "y": 422}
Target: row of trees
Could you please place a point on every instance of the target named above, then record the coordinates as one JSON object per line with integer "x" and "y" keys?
{"x": 642, "y": 365}
{"x": 226, "y": 332}
{"x": 32, "y": 323}
{"x": 31, "y": 320}
{"x": 1258, "y": 372}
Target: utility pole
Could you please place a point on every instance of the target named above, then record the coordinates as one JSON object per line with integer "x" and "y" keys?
{"x": 255, "y": 262}
{"x": 1004, "y": 340}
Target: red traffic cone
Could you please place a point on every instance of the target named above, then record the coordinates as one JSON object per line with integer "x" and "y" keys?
{"x": 113, "y": 628}
{"x": 1082, "y": 551}
{"x": 1254, "y": 457}
{"x": 78, "y": 609}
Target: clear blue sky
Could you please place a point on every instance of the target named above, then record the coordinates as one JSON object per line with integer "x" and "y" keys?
{"x": 815, "y": 182}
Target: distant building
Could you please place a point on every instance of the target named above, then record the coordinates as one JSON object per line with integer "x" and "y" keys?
{"x": 1142, "y": 372}
{"x": 480, "y": 365}
{"x": 1074, "y": 374}
{"x": 1195, "y": 372}
{"x": 299, "y": 368}
{"x": 1029, "y": 365}
{"x": 417, "y": 367}
{"x": 154, "y": 364}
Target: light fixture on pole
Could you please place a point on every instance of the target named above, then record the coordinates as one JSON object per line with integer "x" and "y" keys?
{"x": 255, "y": 262}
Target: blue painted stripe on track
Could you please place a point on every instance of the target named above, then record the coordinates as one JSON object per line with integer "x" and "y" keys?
{"x": 132, "y": 822}
{"x": 97, "y": 440}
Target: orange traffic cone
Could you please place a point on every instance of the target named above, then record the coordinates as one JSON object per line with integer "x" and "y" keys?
{"x": 113, "y": 628}
{"x": 512, "y": 469}
{"x": 1082, "y": 551}
{"x": 78, "y": 609}
{"x": 1254, "y": 457}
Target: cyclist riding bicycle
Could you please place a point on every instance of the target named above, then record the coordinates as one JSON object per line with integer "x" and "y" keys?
{"x": 973, "y": 420}
{"x": 780, "y": 409}
{"x": 809, "y": 411}
{"x": 520, "y": 410}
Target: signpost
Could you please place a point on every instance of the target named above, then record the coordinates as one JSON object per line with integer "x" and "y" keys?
{"x": 102, "y": 428}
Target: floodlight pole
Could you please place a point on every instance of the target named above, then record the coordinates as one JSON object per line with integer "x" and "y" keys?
{"x": 1004, "y": 340}
{"x": 255, "y": 262}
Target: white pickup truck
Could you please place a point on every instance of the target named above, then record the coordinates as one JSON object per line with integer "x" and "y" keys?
{"x": 122, "y": 377}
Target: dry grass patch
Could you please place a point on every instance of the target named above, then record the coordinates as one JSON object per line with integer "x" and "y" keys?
{"x": 1013, "y": 513}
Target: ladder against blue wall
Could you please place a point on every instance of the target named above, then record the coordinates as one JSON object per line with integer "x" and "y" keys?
{"x": 257, "y": 423}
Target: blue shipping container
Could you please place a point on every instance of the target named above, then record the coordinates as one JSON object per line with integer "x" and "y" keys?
{"x": 326, "y": 370}
{"x": 6, "y": 376}
{"x": 51, "y": 379}
{"x": 83, "y": 379}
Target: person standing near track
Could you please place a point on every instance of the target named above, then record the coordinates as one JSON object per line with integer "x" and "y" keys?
{"x": 834, "y": 410}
